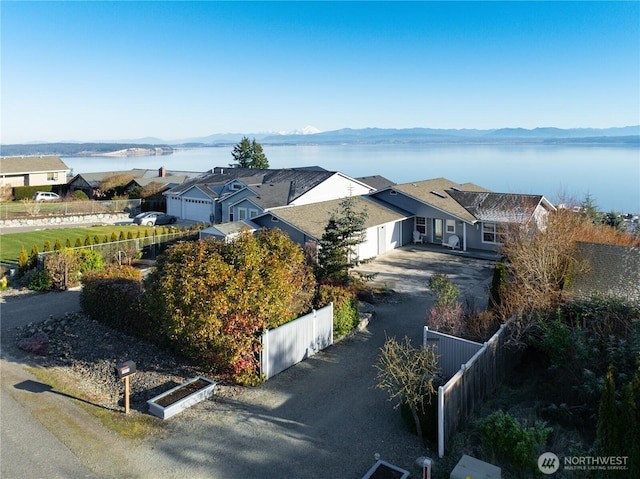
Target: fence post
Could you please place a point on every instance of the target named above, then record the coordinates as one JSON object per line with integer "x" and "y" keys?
{"x": 264, "y": 359}
{"x": 441, "y": 421}
{"x": 314, "y": 331}
{"x": 425, "y": 332}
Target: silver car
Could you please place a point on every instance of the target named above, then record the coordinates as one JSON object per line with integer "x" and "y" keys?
{"x": 152, "y": 218}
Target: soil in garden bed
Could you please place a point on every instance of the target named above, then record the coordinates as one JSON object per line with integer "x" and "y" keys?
{"x": 182, "y": 392}
{"x": 385, "y": 472}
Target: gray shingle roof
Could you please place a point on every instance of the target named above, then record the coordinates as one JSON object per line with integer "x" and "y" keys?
{"x": 376, "y": 182}
{"x": 297, "y": 181}
{"x": 497, "y": 207}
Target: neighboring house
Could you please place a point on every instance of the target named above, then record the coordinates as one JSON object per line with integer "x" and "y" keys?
{"x": 228, "y": 231}
{"x": 611, "y": 270}
{"x": 233, "y": 194}
{"x": 478, "y": 217}
{"x": 90, "y": 182}
{"x": 387, "y": 227}
{"x": 377, "y": 182}
{"x": 33, "y": 171}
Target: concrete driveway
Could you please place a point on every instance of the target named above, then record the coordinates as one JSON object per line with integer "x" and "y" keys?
{"x": 408, "y": 269}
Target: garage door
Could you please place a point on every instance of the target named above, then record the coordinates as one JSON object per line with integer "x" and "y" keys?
{"x": 197, "y": 210}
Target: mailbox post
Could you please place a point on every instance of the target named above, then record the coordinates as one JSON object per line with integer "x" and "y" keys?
{"x": 124, "y": 371}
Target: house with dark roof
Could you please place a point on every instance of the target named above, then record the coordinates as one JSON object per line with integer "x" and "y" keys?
{"x": 18, "y": 171}
{"x": 90, "y": 183}
{"x": 233, "y": 194}
{"x": 465, "y": 215}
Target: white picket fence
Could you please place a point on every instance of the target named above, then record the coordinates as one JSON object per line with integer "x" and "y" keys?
{"x": 293, "y": 342}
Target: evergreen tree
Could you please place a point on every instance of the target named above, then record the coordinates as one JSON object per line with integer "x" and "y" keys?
{"x": 58, "y": 245}
{"x": 249, "y": 154}
{"x": 630, "y": 424}
{"x": 47, "y": 246}
{"x": 338, "y": 246}
{"x": 87, "y": 240}
{"x": 23, "y": 261}
{"x": 78, "y": 243}
{"x": 33, "y": 258}
{"x": 68, "y": 242}
{"x": 607, "y": 428}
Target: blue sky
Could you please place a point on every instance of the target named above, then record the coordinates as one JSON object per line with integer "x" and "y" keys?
{"x": 91, "y": 71}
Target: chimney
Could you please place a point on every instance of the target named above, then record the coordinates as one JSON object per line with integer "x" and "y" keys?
{"x": 162, "y": 172}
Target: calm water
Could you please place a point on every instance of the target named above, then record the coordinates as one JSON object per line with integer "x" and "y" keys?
{"x": 611, "y": 175}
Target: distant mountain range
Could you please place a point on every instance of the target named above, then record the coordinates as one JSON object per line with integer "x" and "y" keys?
{"x": 629, "y": 135}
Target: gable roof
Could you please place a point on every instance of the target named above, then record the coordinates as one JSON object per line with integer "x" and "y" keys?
{"x": 313, "y": 218}
{"x": 376, "y": 182}
{"x": 433, "y": 193}
{"x": 14, "y": 165}
{"x": 273, "y": 187}
{"x": 499, "y": 207}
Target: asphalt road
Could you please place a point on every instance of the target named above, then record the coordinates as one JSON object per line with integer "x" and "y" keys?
{"x": 27, "y": 449}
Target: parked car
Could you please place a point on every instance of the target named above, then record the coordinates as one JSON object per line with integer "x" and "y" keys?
{"x": 45, "y": 196}
{"x": 152, "y": 218}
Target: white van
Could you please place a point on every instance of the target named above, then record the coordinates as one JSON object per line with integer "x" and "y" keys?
{"x": 45, "y": 196}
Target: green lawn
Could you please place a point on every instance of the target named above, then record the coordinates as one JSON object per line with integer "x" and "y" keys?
{"x": 11, "y": 243}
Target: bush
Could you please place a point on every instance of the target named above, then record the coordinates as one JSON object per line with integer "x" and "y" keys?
{"x": 89, "y": 260}
{"x": 38, "y": 280}
{"x": 447, "y": 318}
{"x": 345, "y": 307}
{"x": 79, "y": 195}
{"x": 444, "y": 291}
{"x": 63, "y": 269}
{"x": 114, "y": 296}
{"x": 506, "y": 438}
{"x": 235, "y": 291}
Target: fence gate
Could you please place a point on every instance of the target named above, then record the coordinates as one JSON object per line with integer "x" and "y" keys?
{"x": 293, "y": 342}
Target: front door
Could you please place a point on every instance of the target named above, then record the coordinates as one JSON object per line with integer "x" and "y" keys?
{"x": 437, "y": 230}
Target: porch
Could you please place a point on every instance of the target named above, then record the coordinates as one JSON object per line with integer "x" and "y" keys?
{"x": 469, "y": 253}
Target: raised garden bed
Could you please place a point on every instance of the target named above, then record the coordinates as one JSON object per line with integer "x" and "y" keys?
{"x": 384, "y": 470}
{"x": 181, "y": 397}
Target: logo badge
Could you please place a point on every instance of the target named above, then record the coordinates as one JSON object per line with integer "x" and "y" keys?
{"x": 548, "y": 463}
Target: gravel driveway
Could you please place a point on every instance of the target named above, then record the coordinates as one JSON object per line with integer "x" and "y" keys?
{"x": 321, "y": 418}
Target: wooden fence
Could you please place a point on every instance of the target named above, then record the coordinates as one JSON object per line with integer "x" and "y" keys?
{"x": 293, "y": 342}
{"x": 479, "y": 376}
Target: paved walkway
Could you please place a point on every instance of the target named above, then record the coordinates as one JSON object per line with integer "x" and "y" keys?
{"x": 321, "y": 418}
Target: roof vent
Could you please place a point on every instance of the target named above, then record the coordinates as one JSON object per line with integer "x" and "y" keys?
{"x": 437, "y": 193}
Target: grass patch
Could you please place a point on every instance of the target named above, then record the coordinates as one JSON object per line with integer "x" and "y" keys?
{"x": 11, "y": 243}
{"x": 133, "y": 426}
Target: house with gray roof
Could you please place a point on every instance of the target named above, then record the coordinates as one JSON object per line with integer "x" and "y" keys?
{"x": 18, "y": 171}
{"x": 232, "y": 194}
{"x": 476, "y": 218}
{"x": 387, "y": 227}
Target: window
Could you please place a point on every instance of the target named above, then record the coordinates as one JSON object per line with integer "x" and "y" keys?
{"x": 451, "y": 226}
{"x": 242, "y": 214}
{"x": 421, "y": 224}
{"x": 493, "y": 233}
{"x": 52, "y": 176}
{"x": 236, "y": 186}
{"x": 253, "y": 213}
